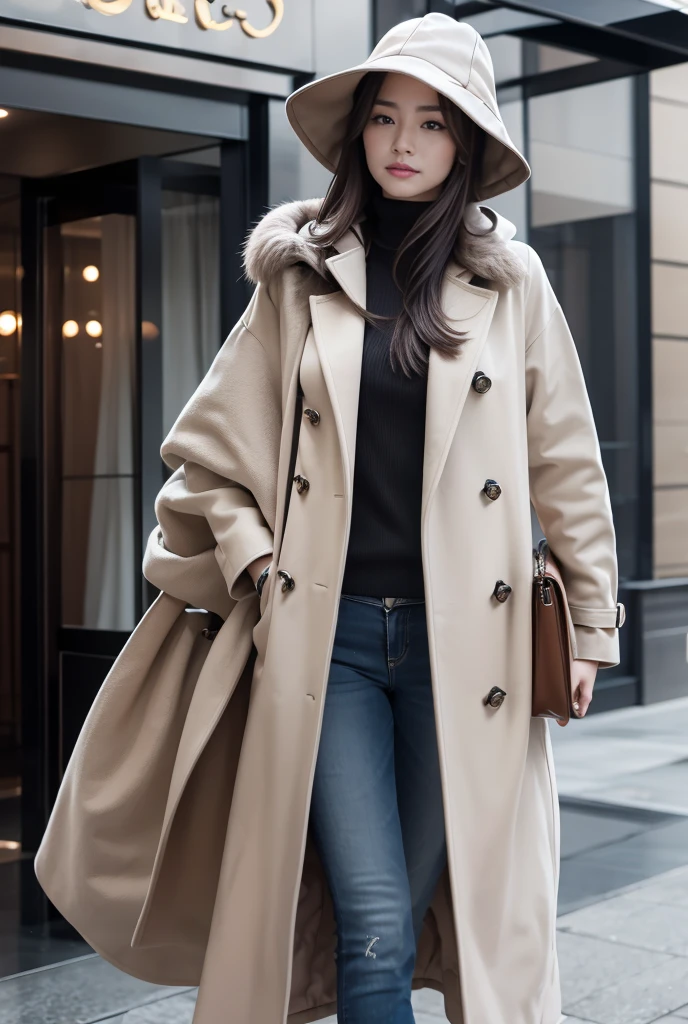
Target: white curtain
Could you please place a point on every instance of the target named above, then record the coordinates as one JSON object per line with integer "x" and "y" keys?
{"x": 110, "y": 569}
{"x": 190, "y": 341}
{"x": 191, "y": 296}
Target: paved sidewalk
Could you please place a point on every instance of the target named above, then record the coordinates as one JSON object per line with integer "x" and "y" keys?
{"x": 634, "y": 757}
{"x": 624, "y": 960}
{"x": 623, "y": 783}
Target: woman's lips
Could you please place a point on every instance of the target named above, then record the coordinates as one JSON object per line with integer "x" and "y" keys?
{"x": 398, "y": 172}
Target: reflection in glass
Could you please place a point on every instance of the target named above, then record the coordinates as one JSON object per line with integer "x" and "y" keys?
{"x": 98, "y": 368}
{"x": 10, "y": 565}
{"x": 583, "y": 226}
{"x": 581, "y": 151}
{"x": 191, "y": 295}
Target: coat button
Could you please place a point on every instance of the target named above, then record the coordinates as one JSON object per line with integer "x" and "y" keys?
{"x": 492, "y": 489}
{"x": 501, "y": 591}
{"x": 313, "y": 415}
{"x": 288, "y": 581}
{"x": 495, "y": 697}
{"x": 481, "y": 382}
{"x": 301, "y": 483}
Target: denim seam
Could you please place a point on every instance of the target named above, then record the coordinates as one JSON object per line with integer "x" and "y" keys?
{"x": 397, "y": 661}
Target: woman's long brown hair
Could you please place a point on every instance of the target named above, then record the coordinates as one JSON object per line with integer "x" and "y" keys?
{"x": 431, "y": 242}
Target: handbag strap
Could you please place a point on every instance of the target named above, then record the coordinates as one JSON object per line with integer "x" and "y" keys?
{"x": 604, "y": 618}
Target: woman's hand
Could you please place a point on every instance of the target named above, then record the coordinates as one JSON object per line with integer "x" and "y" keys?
{"x": 583, "y": 674}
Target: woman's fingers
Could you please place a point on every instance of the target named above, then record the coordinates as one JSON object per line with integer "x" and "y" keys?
{"x": 583, "y": 684}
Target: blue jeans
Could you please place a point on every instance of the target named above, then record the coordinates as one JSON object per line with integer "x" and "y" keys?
{"x": 376, "y": 815}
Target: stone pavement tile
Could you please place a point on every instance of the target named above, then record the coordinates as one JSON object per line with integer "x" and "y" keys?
{"x": 670, "y": 887}
{"x": 587, "y": 964}
{"x": 666, "y": 720}
{"x": 654, "y": 851}
{"x": 172, "y": 1010}
{"x": 641, "y": 999}
{"x": 592, "y": 762}
{"x": 664, "y": 788}
{"x": 631, "y": 922}
{"x": 86, "y": 990}
{"x": 582, "y": 882}
{"x": 681, "y": 1012}
{"x": 603, "y": 750}
{"x": 583, "y": 829}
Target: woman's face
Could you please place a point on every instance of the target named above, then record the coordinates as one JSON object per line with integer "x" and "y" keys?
{"x": 406, "y": 126}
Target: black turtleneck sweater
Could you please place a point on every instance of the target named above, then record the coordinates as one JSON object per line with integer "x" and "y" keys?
{"x": 384, "y": 553}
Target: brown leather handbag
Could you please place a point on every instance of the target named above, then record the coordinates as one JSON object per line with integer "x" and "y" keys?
{"x": 552, "y": 651}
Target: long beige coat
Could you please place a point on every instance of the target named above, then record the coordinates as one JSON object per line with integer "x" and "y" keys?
{"x": 179, "y": 845}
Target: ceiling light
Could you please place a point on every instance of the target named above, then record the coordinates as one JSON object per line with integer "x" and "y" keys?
{"x": 94, "y": 328}
{"x": 149, "y": 331}
{"x": 4, "y": 113}
{"x": 70, "y": 329}
{"x": 90, "y": 274}
{"x": 8, "y": 323}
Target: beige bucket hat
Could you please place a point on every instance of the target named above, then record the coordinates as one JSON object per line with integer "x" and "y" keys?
{"x": 448, "y": 55}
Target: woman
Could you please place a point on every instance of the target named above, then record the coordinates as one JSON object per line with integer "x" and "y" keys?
{"x": 352, "y": 495}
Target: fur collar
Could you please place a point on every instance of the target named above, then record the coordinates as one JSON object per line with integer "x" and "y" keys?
{"x": 279, "y": 240}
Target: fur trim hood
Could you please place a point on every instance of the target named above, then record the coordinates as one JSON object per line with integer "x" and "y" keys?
{"x": 280, "y": 239}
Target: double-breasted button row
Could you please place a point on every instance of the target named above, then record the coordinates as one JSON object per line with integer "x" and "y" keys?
{"x": 481, "y": 383}
{"x": 302, "y": 485}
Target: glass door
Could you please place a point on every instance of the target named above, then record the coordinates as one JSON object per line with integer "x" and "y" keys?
{"x": 129, "y": 281}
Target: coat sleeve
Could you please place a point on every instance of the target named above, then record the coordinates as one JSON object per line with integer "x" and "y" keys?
{"x": 223, "y": 450}
{"x": 568, "y": 486}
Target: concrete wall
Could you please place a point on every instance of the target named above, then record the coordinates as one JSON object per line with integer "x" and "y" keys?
{"x": 669, "y": 206}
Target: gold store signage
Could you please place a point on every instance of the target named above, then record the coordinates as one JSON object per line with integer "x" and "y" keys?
{"x": 174, "y": 10}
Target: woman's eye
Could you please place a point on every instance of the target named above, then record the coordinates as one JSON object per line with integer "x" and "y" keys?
{"x": 387, "y": 119}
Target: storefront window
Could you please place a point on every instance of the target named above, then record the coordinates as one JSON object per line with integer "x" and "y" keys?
{"x": 96, "y": 257}
{"x": 10, "y": 347}
{"x": 190, "y": 295}
{"x": 583, "y": 226}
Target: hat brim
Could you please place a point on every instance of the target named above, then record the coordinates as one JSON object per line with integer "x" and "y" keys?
{"x": 319, "y": 112}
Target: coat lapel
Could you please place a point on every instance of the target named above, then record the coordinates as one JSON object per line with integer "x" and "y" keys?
{"x": 339, "y": 331}
{"x": 470, "y": 309}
